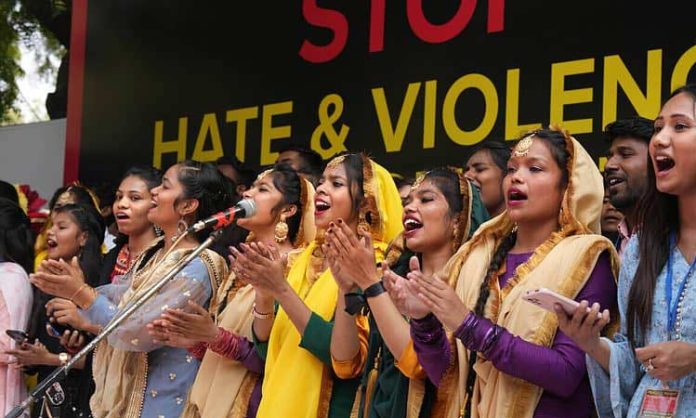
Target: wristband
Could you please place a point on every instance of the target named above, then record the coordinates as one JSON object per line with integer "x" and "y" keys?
{"x": 355, "y": 303}
{"x": 374, "y": 289}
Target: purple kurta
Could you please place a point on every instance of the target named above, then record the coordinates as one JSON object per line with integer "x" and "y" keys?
{"x": 559, "y": 370}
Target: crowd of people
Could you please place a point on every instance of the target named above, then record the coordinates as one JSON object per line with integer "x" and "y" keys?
{"x": 355, "y": 292}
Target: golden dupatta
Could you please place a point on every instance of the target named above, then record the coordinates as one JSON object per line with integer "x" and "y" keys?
{"x": 296, "y": 383}
{"x": 121, "y": 376}
{"x": 223, "y": 386}
{"x": 563, "y": 264}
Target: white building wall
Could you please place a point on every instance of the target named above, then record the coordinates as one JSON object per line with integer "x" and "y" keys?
{"x": 34, "y": 154}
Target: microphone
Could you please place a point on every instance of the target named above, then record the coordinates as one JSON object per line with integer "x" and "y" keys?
{"x": 245, "y": 208}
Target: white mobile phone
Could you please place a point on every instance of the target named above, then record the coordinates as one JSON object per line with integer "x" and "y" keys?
{"x": 546, "y": 299}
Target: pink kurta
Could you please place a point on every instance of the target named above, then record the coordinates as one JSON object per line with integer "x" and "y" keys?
{"x": 15, "y": 308}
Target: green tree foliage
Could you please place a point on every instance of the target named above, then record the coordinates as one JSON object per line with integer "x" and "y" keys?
{"x": 29, "y": 22}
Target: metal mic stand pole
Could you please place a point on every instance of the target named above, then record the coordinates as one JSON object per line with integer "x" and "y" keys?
{"x": 61, "y": 372}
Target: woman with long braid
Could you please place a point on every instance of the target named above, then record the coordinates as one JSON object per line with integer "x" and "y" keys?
{"x": 510, "y": 358}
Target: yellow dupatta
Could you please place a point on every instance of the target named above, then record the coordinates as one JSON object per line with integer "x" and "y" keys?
{"x": 563, "y": 264}
{"x": 223, "y": 386}
{"x": 296, "y": 383}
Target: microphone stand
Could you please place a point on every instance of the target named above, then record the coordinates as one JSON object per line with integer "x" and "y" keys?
{"x": 61, "y": 372}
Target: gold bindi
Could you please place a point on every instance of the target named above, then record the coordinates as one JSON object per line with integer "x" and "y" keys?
{"x": 336, "y": 162}
{"x": 522, "y": 147}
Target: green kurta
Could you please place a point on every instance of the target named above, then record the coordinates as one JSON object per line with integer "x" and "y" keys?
{"x": 317, "y": 340}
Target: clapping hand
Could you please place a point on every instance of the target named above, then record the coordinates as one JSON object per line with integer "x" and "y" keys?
{"x": 59, "y": 278}
{"x": 406, "y": 301}
{"x": 262, "y": 266}
{"x": 438, "y": 296}
{"x": 351, "y": 259}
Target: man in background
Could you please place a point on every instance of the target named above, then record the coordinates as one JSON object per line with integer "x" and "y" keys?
{"x": 303, "y": 160}
{"x": 626, "y": 170}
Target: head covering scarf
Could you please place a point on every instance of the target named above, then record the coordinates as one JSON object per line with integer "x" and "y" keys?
{"x": 223, "y": 386}
{"x": 386, "y": 391}
{"x": 299, "y": 382}
{"x": 563, "y": 264}
{"x": 469, "y": 219}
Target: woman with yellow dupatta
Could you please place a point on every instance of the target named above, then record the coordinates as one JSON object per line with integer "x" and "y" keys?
{"x": 229, "y": 380}
{"x": 299, "y": 381}
{"x": 511, "y": 359}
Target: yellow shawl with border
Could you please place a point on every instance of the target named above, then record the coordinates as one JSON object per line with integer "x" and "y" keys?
{"x": 563, "y": 264}
{"x": 296, "y": 383}
{"x": 223, "y": 386}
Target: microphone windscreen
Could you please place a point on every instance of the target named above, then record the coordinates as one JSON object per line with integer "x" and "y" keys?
{"x": 249, "y": 207}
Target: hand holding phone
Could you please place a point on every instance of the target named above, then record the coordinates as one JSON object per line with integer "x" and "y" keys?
{"x": 547, "y": 299}
{"x": 17, "y": 335}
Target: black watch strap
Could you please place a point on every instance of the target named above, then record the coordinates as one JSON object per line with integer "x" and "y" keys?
{"x": 373, "y": 290}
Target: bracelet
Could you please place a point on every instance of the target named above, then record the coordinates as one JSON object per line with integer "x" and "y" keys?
{"x": 355, "y": 303}
{"x": 79, "y": 289}
{"x": 374, "y": 289}
{"x": 94, "y": 293}
{"x": 490, "y": 339}
{"x": 261, "y": 315}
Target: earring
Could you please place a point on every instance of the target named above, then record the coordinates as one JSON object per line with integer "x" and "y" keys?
{"x": 561, "y": 218}
{"x": 181, "y": 228}
{"x": 158, "y": 230}
{"x": 280, "y": 233}
{"x": 363, "y": 224}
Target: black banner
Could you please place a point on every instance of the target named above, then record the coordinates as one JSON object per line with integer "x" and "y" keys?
{"x": 415, "y": 83}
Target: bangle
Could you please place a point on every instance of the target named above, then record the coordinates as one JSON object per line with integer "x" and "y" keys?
{"x": 261, "y": 315}
{"x": 64, "y": 358}
{"x": 79, "y": 289}
{"x": 94, "y": 293}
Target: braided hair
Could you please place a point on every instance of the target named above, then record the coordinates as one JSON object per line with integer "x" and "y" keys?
{"x": 496, "y": 261}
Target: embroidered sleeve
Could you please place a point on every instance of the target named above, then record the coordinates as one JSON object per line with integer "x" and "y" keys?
{"x": 191, "y": 284}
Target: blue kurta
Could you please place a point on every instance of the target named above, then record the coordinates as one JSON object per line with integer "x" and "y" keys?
{"x": 620, "y": 392}
{"x": 171, "y": 371}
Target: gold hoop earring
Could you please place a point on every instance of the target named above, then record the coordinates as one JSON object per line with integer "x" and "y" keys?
{"x": 181, "y": 228}
{"x": 280, "y": 232}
